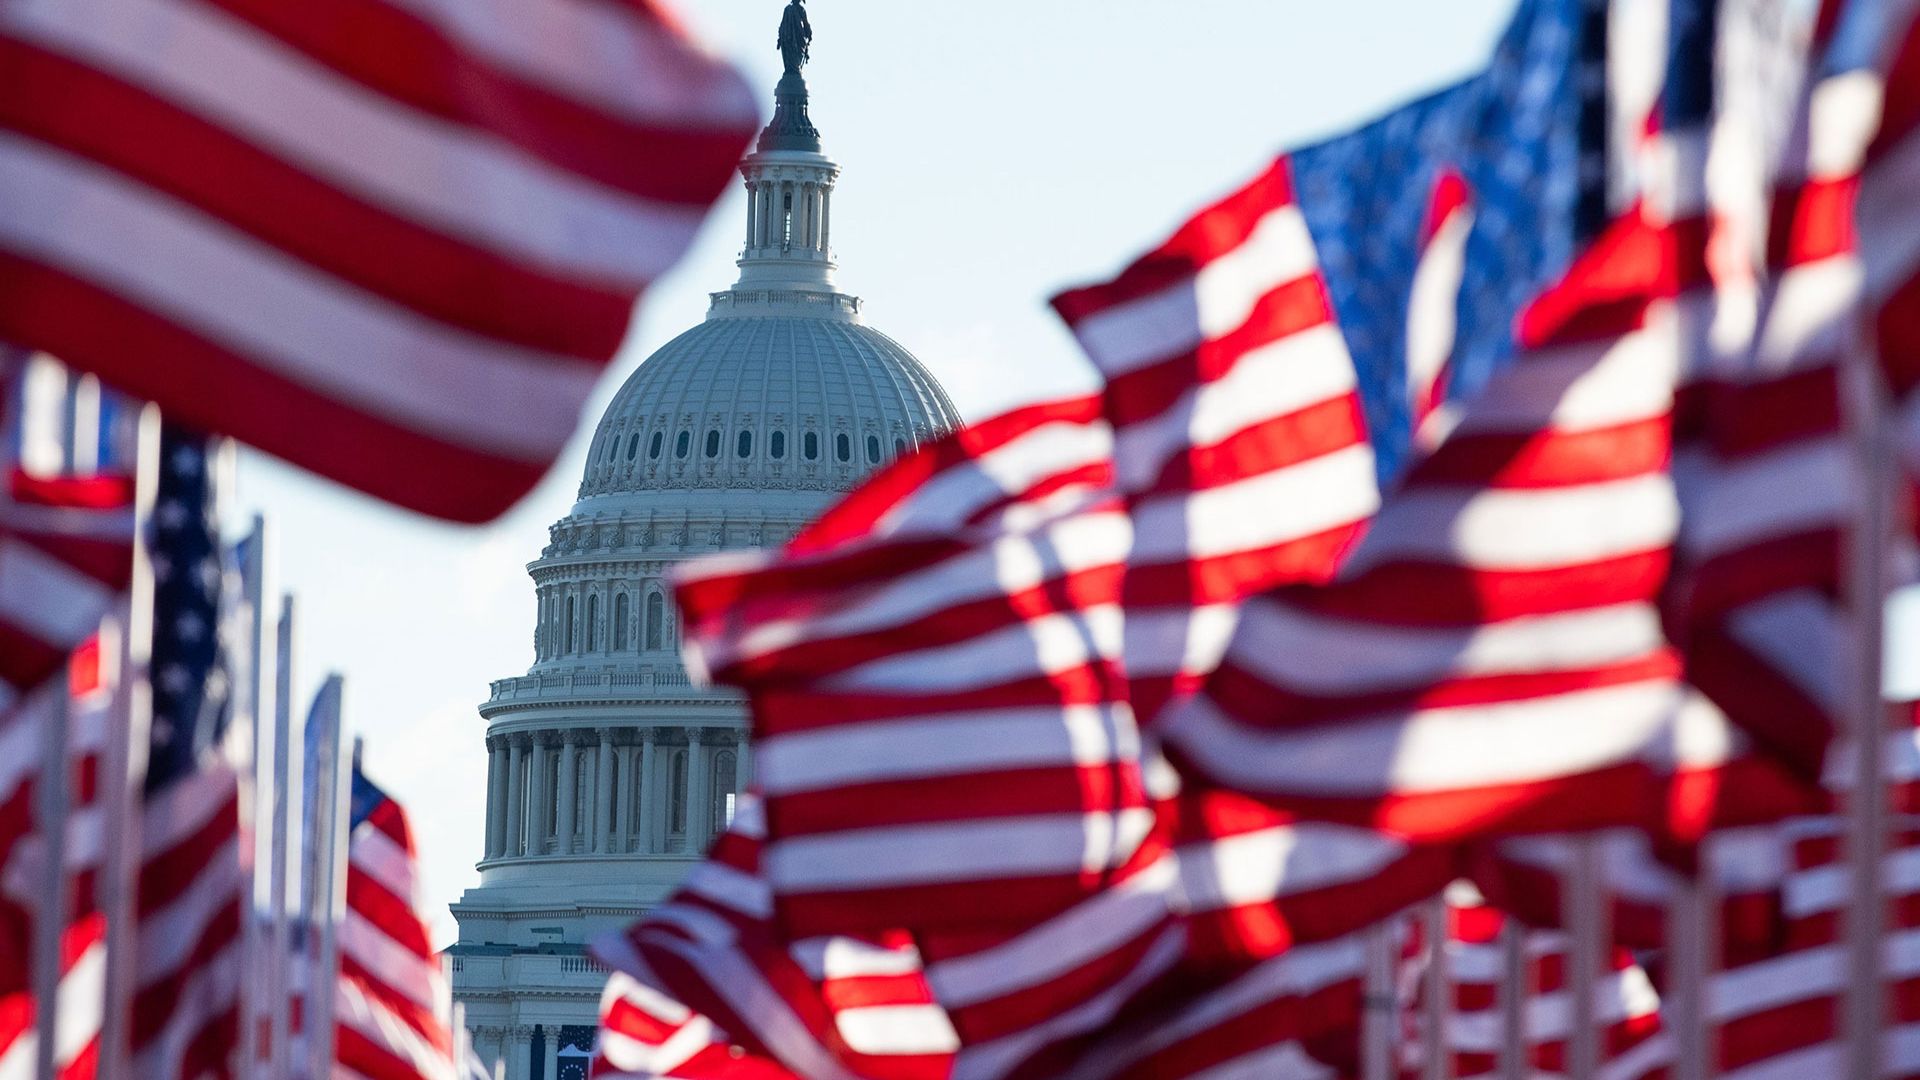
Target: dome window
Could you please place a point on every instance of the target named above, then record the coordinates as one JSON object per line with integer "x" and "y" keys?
{"x": 593, "y": 623}
{"x": 713, "y": 443}
{"x": 873, "y": 449}
{"x": 811, "y": 444}
{"x": 745, "y": 449}
{"x": 683, "y": 444}
{"x": 621, "y": 613}
{"x": 843, "y": 447}
{"x": 633, "y": 446}
{"x": 777, "y": 445}
{"x": 658, "y": 442}
{"x": 899, "y": 447}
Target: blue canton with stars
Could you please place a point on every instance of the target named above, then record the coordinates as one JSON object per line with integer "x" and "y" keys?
{"x": 189, "y": 678}
{"x": 1528, "y": 135}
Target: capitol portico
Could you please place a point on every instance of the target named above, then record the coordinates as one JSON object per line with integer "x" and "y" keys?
{"x": 610, "y": 770}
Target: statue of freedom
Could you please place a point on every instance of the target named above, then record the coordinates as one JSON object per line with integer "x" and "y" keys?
{"x": 796, "y": 36}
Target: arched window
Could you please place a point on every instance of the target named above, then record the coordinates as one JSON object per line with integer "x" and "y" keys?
{"x": 637, "y": 824}
{"x": 656, "y": 619}
{"x": 620, "y": 614}
{"x": 569, "y": 624}
{"x": 654, "y": 447}
{"x": 811, "y": 446}
{"x": 899, "y": 447}
{"x": 633, "y": 446}
{"x": 683, "y": 444}
{"x": 713, "y": 443}
{"x": 873, "y": 449}
{"x": 745, "y": 449}
{"x": 721, "y": 809}
{"x": 677, "y": 793}
{"x": 843, "y": 447}
{"x": 777, "y": 445}
{"x": 542, "y": 628}
{"x": 593, "y": 623}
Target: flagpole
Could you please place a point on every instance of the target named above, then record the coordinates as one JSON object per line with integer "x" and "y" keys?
{"x": 1587, "y": 937}
{"x": 1439, "y": 1006}
{"x": 1693, "y": 933}
{"x": 123, "y": 771}
{"x": 1514, "y": 989}
{"x": 52, "y": 808}
{"x": 279, "y": 1057}
{"x": 1378, "y": 1005}
{"x": 328, "y": 859}
{"x": 1866, "y": 559}
{"x": 246, "y": 716}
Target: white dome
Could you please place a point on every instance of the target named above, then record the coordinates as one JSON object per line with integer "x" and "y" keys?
{"x": 764, "y": 401}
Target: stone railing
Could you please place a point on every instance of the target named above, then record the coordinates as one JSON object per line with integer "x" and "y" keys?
{"x": 796, "y": 297}
{"x": 597, "y": 684}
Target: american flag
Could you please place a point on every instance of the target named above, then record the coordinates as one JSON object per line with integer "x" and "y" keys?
{"x": 191, "y": 894}
{"x": 24, "y": 871}
{"x": 392, "y": 1001}
{"x": 400, "y": 256}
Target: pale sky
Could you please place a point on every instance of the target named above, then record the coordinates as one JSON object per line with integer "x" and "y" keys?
{"x": 995, "y": 151}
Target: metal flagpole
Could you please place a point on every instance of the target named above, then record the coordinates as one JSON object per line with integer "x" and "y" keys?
{"x": 1379, "y": 1001}
{"x": 280, "y": 935}
{"x": 1514, "y": 988}
{"x": 327, "y": 859}
{"x": 52, "y": 806}
{"x": 1693, "y": 933}
{"x": 1587, "y": 939}
{"x": 1866, "y": 548}
{"x": 246, "y": 717}
{"x": 1437, "y": 991}
{"x": 123, "y": 772}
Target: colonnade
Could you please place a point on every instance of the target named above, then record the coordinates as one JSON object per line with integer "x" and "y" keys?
{"x": 647, "y": 790}
{"x": 792, "y": 215}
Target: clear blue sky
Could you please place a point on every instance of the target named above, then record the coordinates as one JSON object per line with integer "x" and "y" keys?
{"x": 995, "y": 152}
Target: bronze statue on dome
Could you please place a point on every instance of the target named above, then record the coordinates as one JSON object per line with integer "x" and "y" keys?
{"x": 796, "y": 36}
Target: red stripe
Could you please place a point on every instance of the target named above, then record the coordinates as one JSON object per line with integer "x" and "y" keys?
{"x": 108, "y": 562}
{"x": 389, "y": 914}
{"x": 1266, "y": 446}
{"x": 1440, "y": 595}
{"x": 1900, "y": 112}
{"x": 1213, "y": 232}
{"x": 1008, "y": 793}
{"x": 405, "y": 58}
{"x": 80, "y": 492}
{"x": 368, "y": 1058}
{"x": 205, "y": 385}
{"x": 181, "y": 154}
{"x": 1549, "y": 459}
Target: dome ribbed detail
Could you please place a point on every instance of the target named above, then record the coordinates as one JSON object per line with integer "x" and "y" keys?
{"x": 768, "y": 402}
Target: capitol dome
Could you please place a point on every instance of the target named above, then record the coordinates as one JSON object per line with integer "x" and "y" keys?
{"x": 790, "y": 394}
{"x": 610, "y": 770}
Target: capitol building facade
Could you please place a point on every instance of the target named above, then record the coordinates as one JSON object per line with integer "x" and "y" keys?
{"x": 610, "y": 769}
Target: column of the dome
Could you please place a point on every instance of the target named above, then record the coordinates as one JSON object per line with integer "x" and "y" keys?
{"x": 623, "y": 798}
{"x": 603, "y": 793}
{"x": 697, "y": 796}
{"x": 753, "y": 195}
{"x": 540, "y": 795}
{"x": 649, "y": 824}
{"x": 496, "y": 797}
{"x": 512, "y": 843}
{"x": 565, "y": 824}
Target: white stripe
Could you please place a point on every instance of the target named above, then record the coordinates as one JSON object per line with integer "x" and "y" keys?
{"x": 741, "y": 985}
{"x": 902, "y": 855}
{"x": 1215, "y": 301}
{"x": 209, "y": 992}
{"x": 945, "y": 745}
{"x": 1096, "y": 927}
{"x": 373, "y": 853}
{"x": 1844, "y": 115}
{"x": 1498, "y": 529}
{"x": 1296, "y": 372}
{"x": 307, "y": 328}
{"x": 1803, "y": 637}
{"x": 1320, "y": 494}
{"x": 1582, "y": 387}
{"x": 1321, "y": 655}
{"x": 1288, "y": 860}
{"x": 465, "y": 183}
{"x": 1459, "y": 747}
{"x": 1005, "y": 565}
{"x": 184, "y": 808}
{"x": 600, "y": 54}
{"x": 731, "y": 888}
{"x": 392, "y": 964}
{"x": 1433, "y": 302}
{"x": 1813, "y": 321}
{"x": 358, "y": 1011}
{"x": 827, "y": 958}
{"x": 1825, "y": 889}
{"x": 1044, "y": 645}
{"x": 168, "y": 936}
{"x": 45, "y": 597}
{"x": 1799, "y": 487}
{"x": 81, "y": 990}
{"x": 954, "y": 495}
{"x": 1885, "y": 216}
{"x": 897, "y": 1030}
